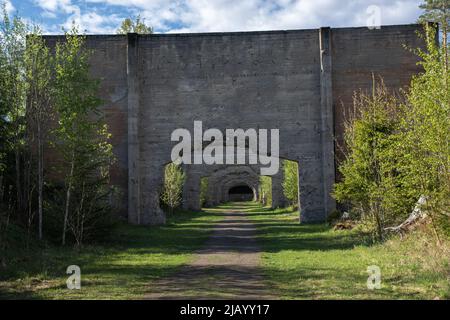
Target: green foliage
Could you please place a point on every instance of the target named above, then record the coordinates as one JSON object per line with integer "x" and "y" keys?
{"x": 39, "y": 65}
{"x": 13, "y": 180}
{"x": 265, "y": 190}
{"x": 82, "y": 139}
{"x": 134, "y": 26}
{"x": 437, "y": 11}
{"x": 123, "y": 266}
{"x": 302, "y": 261}
{"x": 39, "y": 90}
{"x": 290, "y": 182}
{"x": 204, "y": 183}
{"x": 12, "y": 98}
{"x": 425, "y": 131}
{"x": 372, "y": 182}
{"x": 399, "y": 150}
{"x": 173, "y": 186}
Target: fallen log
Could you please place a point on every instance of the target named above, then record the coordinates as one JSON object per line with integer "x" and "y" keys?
{"x": 416, "y": 214}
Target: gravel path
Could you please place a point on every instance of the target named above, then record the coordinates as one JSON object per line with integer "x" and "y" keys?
{"x": 228, "y": 267}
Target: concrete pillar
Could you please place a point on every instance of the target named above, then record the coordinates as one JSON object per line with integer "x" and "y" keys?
{"x": 145, "y": 180}
{"x": 278, "y": 199}
{"x": 311, "y": 191}
{"x": 152, "y": 182}
{"x": 191, "y": 190}
{"x": 134, "y": 194}
{"x": 327, "y": 121}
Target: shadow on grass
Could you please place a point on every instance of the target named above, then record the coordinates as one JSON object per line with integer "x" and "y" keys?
{"x": 134, "y": 254}
{"x": 279, "y": 229}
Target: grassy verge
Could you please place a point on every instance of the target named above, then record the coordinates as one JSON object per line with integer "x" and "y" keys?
{"x": 316, "y": 262}
{"x": 121, "y": 269}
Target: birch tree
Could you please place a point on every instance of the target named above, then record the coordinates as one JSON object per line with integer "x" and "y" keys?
{"x": 82, "y": 136}
{"x": 173, "y": 186}
{"x": 39, "y": 110}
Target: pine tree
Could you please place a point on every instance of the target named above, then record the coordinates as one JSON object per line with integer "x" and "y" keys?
{"x": 438, "y": 11}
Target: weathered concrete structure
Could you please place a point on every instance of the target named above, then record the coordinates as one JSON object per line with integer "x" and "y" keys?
{"x": 298, "y": 81}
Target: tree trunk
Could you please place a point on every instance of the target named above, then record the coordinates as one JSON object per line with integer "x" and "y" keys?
{"x": 40, "y": 178}
{"x": 68, "y": 193}
{"x": 445, "y": 46}
{"x": 18, "y": 184}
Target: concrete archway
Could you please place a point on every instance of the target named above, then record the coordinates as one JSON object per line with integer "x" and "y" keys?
{"x": 226, "y": 187}
{"x": 240, "y": 193}
{"x": 219, "y": 178}
{"x": 294, "y": 81}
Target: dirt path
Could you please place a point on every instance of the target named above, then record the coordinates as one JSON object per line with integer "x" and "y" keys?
{"x": 226, "y": 268}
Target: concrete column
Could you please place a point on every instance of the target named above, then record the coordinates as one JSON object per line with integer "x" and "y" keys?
{"x": 134, "y": 194}
{"x": 152, "y": 182}
{"x": 311, "y": 190}
{"x": 191, "y": 190}
{"x": 278, "y": 199}
{"x": 327, "y": 121}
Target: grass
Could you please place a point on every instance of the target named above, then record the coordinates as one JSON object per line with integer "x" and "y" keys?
{"x": 316, "y": 262}
{"x": 123, "y": 269}
{"x": 299, "y": 261}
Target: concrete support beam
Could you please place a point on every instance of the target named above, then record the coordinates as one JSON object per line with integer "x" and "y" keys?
{"x": 134, "y": 192}
{"x": 278, "y": 199}
{"x": 191, "y": 190}
{"x": 327, "y": 121}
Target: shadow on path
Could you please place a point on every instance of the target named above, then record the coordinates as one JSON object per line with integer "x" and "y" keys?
{"x": 228, "y": 267}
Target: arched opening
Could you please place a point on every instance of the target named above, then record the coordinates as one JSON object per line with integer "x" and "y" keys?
{"x": 240, "y": 193}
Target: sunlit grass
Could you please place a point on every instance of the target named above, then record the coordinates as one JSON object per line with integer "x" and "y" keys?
{"x": 316, "y": 262}
{"x": 300, "y": 261}
{"x": 122, "y": 269}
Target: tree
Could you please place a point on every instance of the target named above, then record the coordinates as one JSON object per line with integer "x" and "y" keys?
{"x": 204, "y": 185}
{"x": 134, "y": 26}
{"x": 39, "y": 109}
{"x": 290, "y": 182}
{"x": 425, "y": 132}
{"x": 265, "y": 190}
{"x": 12, "y": 99}
{"x": 173, "y": 186}
{"x": 82, "y": 138}
{"x": 438, "y": 11}
{"x": 373, "y": 182}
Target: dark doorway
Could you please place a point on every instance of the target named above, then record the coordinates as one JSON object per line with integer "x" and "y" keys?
{"x": 240, "y": 193}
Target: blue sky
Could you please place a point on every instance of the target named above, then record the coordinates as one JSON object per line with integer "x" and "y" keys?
{"x": 104, "y": 16}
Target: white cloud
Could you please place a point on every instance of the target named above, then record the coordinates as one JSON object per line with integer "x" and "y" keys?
{"x": 233, "y": 15}
{"x": 88, "y": 21}
{"x": 92, "y": 22}
{"x": 53, "y": 6}
{"x": 9, "y": 7}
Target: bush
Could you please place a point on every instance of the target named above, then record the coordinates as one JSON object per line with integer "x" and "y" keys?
{"x": 204, "y": 191}
{"x": 173, "y": 186}
{"x": 372, "y": 183}
{"x": 265, "y": 190}
{"x": 290, "y": 182}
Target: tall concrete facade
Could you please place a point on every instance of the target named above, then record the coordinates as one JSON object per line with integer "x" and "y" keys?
{"x": 300, "y": 82}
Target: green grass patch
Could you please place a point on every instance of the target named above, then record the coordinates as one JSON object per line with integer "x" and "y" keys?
{"x": 316, "y": 262}
{"x": 122, "y": 268}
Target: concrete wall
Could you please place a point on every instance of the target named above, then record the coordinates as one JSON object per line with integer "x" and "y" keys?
{"x": 109, "y": 65}
{"x": 357, "y": 53}
{"x": 298, "y": 81}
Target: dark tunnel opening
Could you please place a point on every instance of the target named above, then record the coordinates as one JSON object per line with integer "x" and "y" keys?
{"x": 240, "y": 193}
